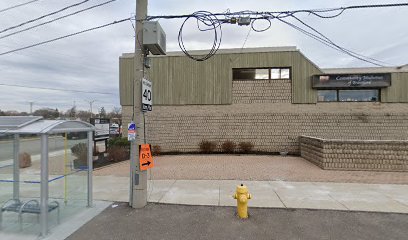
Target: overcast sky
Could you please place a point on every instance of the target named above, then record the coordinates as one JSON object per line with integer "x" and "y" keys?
{"x": 89, "y": 62}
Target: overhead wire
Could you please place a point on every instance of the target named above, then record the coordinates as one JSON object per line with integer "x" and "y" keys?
{"x": 56, "y": 19}
{"x": 65, "y": 36}
{"x": 43, "y": 16}
{"x": 210, "y": 22}
{"x": 18, "y": 5}
{"x": 55, "y": 89}
{"x": 214, "y": 21}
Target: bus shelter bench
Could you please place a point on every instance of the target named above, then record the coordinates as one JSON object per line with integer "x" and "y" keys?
{"x": 12, "y": 205}
{"x": 33, "y": 207}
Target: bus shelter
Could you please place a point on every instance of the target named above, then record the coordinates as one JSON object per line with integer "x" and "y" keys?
{"x": 26, "y": 190}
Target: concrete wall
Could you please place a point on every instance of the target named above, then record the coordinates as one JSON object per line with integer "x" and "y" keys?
{"x": 378, "y": 155}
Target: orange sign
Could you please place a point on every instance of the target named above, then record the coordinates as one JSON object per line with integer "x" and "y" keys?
{"x": 145, "y": 157}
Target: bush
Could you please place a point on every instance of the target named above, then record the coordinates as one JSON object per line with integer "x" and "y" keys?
{"x": 80, "y": 151}
{"x": 118, "y": 149}
{"x": 228, "y": 147}
{"x": 246, "y": 147}
{"x": 118, "y": 153}
{"x": 207, "y": 146}
{"x": 156, "y": 150}
{"x": 118, "y": 141}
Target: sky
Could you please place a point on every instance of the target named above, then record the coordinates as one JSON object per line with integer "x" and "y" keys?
{"x": 89, "y": 62}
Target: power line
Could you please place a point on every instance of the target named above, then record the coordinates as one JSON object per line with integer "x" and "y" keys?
{"x": 56, "y": 19}
{"x": 44, "y": 16}
{"x": 18, "y": 5}
{"x": 65, "y": 36}
{"x": 213, "y": 21}
{"x": 55, "y": 89}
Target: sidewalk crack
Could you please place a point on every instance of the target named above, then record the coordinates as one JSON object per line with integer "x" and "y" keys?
{"x": 164, "y": 194}
{"x": 342, "y": 204}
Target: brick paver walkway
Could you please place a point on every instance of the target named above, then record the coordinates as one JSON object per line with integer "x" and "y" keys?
{"x": 251, "y": 167}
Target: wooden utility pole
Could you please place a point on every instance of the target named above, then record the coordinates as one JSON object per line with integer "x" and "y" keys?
{"x": 138, "y": 178}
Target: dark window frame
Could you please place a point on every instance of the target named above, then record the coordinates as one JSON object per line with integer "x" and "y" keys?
{"x": 340, "y": 89}
{"x": 269, "y": 73}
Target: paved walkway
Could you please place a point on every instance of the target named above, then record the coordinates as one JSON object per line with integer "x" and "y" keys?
{"x": 268, "y": 194}
{"x": 274, "y": 182}
{"x": 251, "y": 167}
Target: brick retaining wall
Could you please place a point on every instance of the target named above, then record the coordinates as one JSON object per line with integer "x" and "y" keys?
{"x": 377, "y": 155}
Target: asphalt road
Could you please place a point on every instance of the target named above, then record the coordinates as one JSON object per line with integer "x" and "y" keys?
{"x": 33, "y": 146}
{"x": 157, "y": 221}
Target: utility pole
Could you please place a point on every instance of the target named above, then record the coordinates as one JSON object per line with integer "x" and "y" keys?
{"x": 90, "y": 106}
{"x": 138, "y": 178}
{"x": 31, "y": 108}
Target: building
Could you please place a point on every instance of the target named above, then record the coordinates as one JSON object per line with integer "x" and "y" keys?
{"x": 267, "y": 96}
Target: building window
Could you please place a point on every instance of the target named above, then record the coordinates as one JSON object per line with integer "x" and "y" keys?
{"x": 327, "y": 95}
{"x": 260, "y": 73}
{"x": 280, "y": 73}
{"x": 369, "y": 95}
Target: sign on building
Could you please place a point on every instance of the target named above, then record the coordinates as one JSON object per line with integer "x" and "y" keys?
{"x": 350, "y": 81}
{"x": 147, "y": 99}
{"x": 101, "y": 128}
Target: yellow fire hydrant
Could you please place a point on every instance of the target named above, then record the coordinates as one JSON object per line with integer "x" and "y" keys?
{"x": 242, "y": 197}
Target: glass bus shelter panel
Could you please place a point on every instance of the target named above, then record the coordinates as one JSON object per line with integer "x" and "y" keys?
{"x": 6, "y": 168}
{"x": 68, "y": 170}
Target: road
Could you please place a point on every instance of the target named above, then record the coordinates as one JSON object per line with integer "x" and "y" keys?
{"x": 159, "y": 221}
{"x": 33, "y": 146}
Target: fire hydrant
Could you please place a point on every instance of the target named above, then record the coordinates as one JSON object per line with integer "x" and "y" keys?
{"x": 242, "y": 197}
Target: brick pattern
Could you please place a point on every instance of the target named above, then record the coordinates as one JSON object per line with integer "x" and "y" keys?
{"x": 269, "y": 132}
{"x": 378, "y": 155}
{"x": 261, "y": 91}
{"x": 272, "y": 126}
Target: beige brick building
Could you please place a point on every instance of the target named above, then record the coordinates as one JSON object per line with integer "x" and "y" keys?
{"x": 267, "y": 96}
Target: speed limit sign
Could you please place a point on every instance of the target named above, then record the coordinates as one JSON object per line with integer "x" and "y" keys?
{"x": 147, "y": 99}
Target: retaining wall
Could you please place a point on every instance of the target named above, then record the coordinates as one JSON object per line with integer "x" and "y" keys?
{"x": 377, "y": 155}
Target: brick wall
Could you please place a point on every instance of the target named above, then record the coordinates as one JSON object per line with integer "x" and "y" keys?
{"x": 378, "y": 155}
{"x": 262, "y": 113}
{"x": 272, "y": 127}
{"x": 262, "y": 91}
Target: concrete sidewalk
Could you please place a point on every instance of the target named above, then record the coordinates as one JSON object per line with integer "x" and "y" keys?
{"x": 269, "y": 194}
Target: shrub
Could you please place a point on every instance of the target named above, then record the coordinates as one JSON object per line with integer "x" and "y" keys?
{"x": 228, "y": 147}
{"x": 80, "y": 151}
{"x": 118, "y": 149}
{"x": 118, "y": 153}
{"x": 207, "y": 146}
{"x": 118, "y": 141}
{"x": 156, "y": 150}
{"x": 246, "y": 147}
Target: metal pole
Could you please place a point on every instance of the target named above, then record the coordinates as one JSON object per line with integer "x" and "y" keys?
{"x": 44, "y": 185}
{"x": 90, "y": 167}
{"x": 139, "y": 178}
{"x": 16, "y": 167}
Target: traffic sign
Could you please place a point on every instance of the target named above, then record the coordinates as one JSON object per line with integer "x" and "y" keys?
{"x": 131, "y": 132}
{"x": 145, "y": 157}
{"x": 147, "y": 99}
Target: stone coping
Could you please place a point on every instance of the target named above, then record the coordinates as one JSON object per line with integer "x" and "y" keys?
{"x": 359, "y": 141}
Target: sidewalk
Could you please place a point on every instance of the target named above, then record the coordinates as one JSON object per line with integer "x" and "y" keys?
{"x": 274, "y": 182}
{"x": 266, "y": 194}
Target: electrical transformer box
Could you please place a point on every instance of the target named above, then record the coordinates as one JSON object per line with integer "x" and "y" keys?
{"x": 154, "y": 38}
